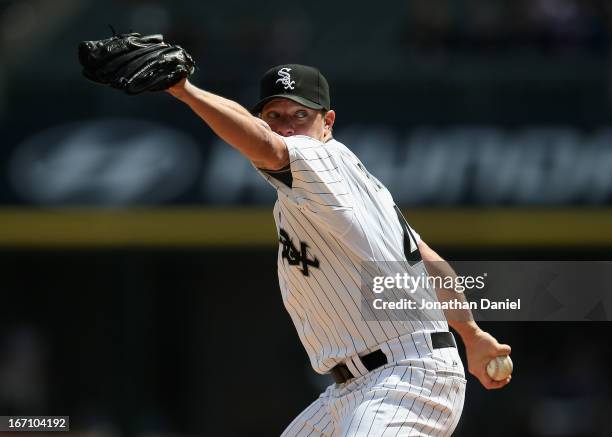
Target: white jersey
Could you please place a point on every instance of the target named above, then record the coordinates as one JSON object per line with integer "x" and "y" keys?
{"x": 333, "y": 218}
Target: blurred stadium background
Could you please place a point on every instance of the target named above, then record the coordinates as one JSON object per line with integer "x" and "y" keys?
{"x": 137, "y": 252}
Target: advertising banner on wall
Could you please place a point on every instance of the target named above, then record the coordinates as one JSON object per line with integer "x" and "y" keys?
{"x": 131, "y": 162}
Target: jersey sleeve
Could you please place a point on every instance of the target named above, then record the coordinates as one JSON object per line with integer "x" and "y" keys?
{"x": 317, "y": 185}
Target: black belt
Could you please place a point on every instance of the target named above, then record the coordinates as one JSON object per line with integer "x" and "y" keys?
{"x": 371, "y": 361}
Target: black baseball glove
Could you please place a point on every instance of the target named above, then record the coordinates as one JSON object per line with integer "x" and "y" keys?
{"x": 134, "y": 63}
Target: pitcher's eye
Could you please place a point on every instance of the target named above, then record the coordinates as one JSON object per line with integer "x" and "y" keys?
{"x": 301, "y": 114}
{"x": 272, "y": 114}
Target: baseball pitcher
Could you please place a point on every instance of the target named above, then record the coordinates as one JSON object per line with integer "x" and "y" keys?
{"x": 393, "y": 377}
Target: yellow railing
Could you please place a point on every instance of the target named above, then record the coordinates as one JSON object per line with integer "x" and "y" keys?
{"x": 199, "y": 227}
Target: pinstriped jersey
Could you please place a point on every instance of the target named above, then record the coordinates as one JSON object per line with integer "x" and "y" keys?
{"x": 333, "y": 218}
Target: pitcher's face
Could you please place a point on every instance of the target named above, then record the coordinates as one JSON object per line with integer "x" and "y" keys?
{"x": 288, "y": 118}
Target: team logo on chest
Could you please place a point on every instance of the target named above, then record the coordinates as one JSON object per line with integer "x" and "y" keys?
{"x": 295, "y": 256}
{"x": 285, "y": 78}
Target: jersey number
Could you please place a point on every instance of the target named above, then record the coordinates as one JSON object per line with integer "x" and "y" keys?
{"x": 413, "y": 257}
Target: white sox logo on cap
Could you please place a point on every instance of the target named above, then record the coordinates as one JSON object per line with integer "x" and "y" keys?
{"x": 300, "y": 83}
{"x": 285, "y": 78}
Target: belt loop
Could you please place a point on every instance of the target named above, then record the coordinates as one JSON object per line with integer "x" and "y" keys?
{"x": 422, "y": 343}
{"x": 352, "y": 368}
{"x": 361, "y": 368}
{"x": 428, "y": 344}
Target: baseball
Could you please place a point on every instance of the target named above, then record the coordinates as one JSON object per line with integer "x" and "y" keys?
{"x": 500, "y": 368}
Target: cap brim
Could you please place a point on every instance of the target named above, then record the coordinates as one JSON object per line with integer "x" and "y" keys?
{"x": 302, "y": 101}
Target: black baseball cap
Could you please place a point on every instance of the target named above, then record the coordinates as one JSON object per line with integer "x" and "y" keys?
{"x": 300, "y": 83}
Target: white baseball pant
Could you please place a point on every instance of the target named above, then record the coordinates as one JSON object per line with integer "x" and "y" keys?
{"x": 419, "y": 395}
